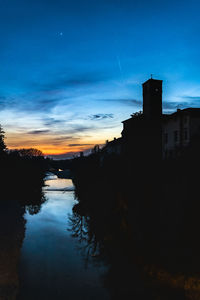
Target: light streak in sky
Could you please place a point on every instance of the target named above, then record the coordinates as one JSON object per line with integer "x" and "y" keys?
{"x": 119, "y": 64}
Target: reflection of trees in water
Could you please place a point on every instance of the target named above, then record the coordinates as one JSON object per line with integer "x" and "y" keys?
{"x": 80, "y": 228}
{"x": 101, "y": 244}
{"x": 105, "y": 237}
{"x": 21, "y": 181}
{"x": 12, "y": 230}
{"x": 32, "y": 197}
{"x": 124, "y": 277}
{"x": 33, "y": 206}
{"x": 13, "y": 206}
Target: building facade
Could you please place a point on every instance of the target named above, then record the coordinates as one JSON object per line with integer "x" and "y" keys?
{"x": 142, "y": 134}
{"x": 153, "y": 134}
{"x": 179, "y": 130}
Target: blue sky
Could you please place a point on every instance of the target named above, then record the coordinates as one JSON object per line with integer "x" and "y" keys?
{"x": 71, "y": 71}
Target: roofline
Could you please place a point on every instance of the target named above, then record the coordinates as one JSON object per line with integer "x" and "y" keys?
{"x": 187, "y": 110}
{"x": 152, "y": 79}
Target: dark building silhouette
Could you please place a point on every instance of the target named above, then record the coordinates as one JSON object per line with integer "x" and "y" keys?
{"x": 180, "y": 129}
{"x": 142, "y": 134}
{"x": 152, "y": 99}
{"x": 113, "y": 147}
{"x": 154, "y": 135}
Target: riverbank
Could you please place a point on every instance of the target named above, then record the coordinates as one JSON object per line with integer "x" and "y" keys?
{"x": 12, "y": 230}
{"x": 21, "y": 185}
{"x": 148, "y": 211}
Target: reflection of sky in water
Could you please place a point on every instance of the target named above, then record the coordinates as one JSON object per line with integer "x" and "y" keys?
{"x": 55, "y": 184}
{"x": 51, "y": 266}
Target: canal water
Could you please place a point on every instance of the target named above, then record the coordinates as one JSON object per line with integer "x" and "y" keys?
{"x": 52, "y": 265}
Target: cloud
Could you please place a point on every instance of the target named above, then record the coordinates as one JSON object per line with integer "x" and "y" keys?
{"x": 101, "y": 116}
{"x": 79, "y": 128}
{"x": 65, "y": 81}
{"x": 7, "y": 102}
{"x": 173, "y": 105}
{"x": 133, "y": 102}
{"x": 64, "y": 138}
{"x": 60, "y": 140}
{"x": 75, "y": 145}
{"x": 52, "y": 121}
{"x": 37, "y": 103}
{"x": 192, "y": 98}
{"x": 44, "y": 96}
{"x": 2, "y": 102}
{"x": 125, "y": 101}
{"x": 43, "y": 104}
{"x": 30, "y": 103}
{"x": 38, "y": 131}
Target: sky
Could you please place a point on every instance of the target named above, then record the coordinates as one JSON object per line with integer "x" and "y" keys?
{"x": 72, "y": 70}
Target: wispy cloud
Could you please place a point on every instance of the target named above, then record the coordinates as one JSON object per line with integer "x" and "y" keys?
{"x": 63, "y": 80}
{"x": 77, "y": 145}
{"x": 192, "y": 98}
{"x": 185, "y": 101}
{"x": 38, "y": 131}
{"x": 79, "y": 128}
{"x": 125, "y": 101}
{"x": 63, "y": 140}
{"x": 7, "y": 102}
{"x": 53, "y": 122}
{"x": 101, "y": 116}
{"x": 42, "y": 104}
{"x": 29, "y": 103}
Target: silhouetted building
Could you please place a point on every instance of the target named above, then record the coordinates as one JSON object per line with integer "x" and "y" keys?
{"x": 142, "y": 134}
{"x": 152, "y": 99}
{"x": 113, "y": 147}
{"x": 153, "y": 135}
{"x": 179, "y": 130}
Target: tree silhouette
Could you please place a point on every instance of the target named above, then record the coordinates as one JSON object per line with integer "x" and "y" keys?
{"x": 2, "y": 142}
{"x": 30, "y": 152}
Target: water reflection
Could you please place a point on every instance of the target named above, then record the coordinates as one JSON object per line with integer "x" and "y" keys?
{"x": 13, "y": 204}
{"x": 51, "y": 266}
{"x": 11, "y": 237}
{"x": 84, "y": 253}
{"x": 100, "y": 222}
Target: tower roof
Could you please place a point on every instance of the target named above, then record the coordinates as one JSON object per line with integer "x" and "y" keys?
{"x": 152, "y": 80}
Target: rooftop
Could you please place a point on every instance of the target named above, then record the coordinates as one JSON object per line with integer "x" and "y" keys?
{"x": 195, "y": 112}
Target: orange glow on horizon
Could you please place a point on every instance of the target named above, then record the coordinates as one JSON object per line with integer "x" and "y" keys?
{"x": 51, "y": 144}
{"x": 52, "y": 150}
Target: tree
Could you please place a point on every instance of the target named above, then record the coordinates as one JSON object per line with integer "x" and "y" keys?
{"x": 2, "y": 143}
{"x": 30, "y": 152}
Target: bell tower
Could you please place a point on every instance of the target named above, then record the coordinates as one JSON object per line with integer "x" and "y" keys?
{"x": 152, "y": 99}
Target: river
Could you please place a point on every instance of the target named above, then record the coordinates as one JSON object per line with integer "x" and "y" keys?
{"x": 51, "y": 265}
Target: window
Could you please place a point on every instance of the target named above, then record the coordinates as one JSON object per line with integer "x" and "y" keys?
{"x": 176, "y": 136}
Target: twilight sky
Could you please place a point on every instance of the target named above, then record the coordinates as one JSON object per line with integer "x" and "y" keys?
{"x": 71, "y": 70}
